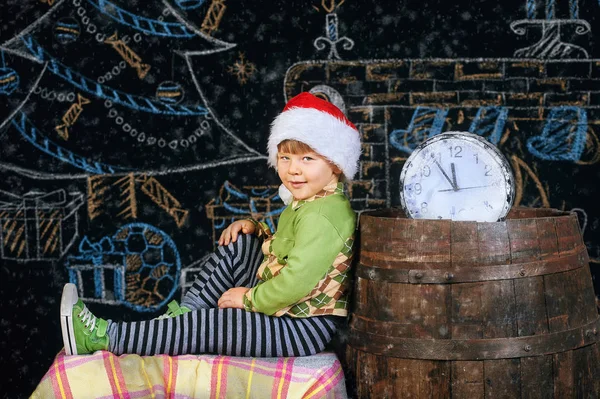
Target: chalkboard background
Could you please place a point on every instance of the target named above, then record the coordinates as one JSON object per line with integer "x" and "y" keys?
{"x": 132, "y": 131}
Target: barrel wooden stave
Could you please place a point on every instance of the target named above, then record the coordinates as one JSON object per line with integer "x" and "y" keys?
{"x": 536, "y": 305}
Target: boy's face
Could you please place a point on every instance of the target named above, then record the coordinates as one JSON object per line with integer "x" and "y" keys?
{"x": 304, "y": 174}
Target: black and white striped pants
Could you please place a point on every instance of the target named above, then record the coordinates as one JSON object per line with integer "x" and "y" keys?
{"x": 233, "y": 332}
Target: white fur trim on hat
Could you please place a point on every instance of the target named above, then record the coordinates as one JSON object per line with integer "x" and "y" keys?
{"x": 329, "y": 136}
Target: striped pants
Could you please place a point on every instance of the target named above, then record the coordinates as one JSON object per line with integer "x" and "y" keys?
{"x": 234, "y": 332}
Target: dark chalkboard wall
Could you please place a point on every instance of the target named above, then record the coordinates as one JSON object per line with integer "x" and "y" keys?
{"x": 133, "y": 131}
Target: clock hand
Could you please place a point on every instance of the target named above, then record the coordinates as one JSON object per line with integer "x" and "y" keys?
{"x": 455, "y": 185}
{"x": 464, "y": 188}
{"x": 454, "y": 188}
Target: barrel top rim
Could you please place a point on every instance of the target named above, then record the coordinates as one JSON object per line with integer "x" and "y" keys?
{"x": 516, "y": 213}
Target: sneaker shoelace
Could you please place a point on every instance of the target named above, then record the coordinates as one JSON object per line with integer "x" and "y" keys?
{"x": 87, "y": 318}
{"x": 169, "y": 314}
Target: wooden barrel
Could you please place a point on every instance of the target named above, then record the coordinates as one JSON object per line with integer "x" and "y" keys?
{"x": 472, "y": 310}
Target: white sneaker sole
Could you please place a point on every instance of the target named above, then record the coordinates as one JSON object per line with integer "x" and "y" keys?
{"x": 68, "y": 299}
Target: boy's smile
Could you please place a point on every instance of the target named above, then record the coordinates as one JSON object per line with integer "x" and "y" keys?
{"x": 297, "y": 185}
{"x": 305, "y": 174}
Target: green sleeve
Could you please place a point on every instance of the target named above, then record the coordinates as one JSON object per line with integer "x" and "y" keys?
{"x": 317, "y": 243}
{"x": 261, "y": 229}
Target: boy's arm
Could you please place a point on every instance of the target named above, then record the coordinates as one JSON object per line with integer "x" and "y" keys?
{"x": 261, "y": 228}
{"x": 236, "y": 228}
{"x": 316, "y": 246}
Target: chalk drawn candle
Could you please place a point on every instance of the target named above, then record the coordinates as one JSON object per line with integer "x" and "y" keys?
{"x": 550, "y": 9}
{"x": 574, "y": 9}
{"x": 331, "y": 22}
{"x": 531, "y": 9}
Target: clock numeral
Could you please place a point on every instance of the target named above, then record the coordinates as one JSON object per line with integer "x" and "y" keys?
{"x": 423, "y": 207}
{"x": 476, "y": 158}
{"x": 455, "y": 152}
{"x": 488, "y": 170}
{"x": 437, "y": 156}
{"x": 425, "y": 171}
{"x": 418, "y": 188}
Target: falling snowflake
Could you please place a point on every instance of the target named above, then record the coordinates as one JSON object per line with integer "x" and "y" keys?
{"x": 242, "y": 69}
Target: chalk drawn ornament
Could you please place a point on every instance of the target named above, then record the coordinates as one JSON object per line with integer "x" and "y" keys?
{"x": 9, "y": 81}
{"x": 170, "y": 92}
{"x": 67, "y": 30}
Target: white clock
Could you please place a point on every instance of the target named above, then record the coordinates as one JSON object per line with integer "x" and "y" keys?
{"x": 457, "y": 176}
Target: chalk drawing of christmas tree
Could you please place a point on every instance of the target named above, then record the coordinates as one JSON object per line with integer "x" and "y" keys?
{"x": 92, "y": 80}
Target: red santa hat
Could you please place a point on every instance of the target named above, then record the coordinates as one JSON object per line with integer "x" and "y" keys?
{"x": 322, "y": 126}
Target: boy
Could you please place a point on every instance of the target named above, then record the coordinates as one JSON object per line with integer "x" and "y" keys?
{"x": 285, "y": 300}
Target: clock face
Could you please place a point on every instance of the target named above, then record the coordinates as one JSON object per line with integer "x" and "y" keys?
{"x": 457, "y": 176}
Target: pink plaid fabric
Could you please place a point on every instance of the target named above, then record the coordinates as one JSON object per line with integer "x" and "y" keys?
{"x": 104, "y": 375}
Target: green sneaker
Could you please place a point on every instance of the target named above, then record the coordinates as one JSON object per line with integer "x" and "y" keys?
{"x": 82, "y": 332}
{"x": 173, "y": 310}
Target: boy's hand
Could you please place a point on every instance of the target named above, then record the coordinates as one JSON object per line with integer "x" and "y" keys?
{"x": 230, "y": 234}
{"x": 233, "y": 298}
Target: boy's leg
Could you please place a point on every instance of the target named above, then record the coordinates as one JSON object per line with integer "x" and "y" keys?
{"x": 233, "y": 332}
{"x": 232, "y": 266}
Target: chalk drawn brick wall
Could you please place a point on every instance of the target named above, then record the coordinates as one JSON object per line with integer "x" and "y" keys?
{"x": 412, "y": 99}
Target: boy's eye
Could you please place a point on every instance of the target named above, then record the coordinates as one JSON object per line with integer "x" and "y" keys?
{"x": 308, "y": 158}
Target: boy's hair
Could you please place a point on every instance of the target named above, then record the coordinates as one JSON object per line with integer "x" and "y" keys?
{"x": 294, "y": 147}
{"x": 298, "y": 147}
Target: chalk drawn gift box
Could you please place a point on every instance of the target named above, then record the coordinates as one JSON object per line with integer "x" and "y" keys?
{"x": 37, "y": 225}
{"x": 138, "y": 266}
{"x": 261, "y": 203}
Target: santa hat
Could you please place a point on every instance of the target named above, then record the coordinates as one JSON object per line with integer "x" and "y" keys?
{"x": 322, "y": 126}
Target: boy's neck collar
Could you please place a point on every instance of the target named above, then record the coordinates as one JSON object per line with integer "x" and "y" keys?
{"x": 333, "y": 187}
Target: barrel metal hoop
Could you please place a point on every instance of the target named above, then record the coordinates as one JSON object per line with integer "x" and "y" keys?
{"x": 576, "y": 259}
{"x": 476, "y": 349}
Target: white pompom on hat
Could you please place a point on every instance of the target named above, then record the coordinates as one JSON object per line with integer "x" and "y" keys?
{"x": 322, "y": 126}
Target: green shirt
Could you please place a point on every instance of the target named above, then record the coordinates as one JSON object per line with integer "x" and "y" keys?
{"x": 305, "y": 271}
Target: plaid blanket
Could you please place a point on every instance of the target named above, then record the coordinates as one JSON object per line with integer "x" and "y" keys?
{"x": 104, "y": 375}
